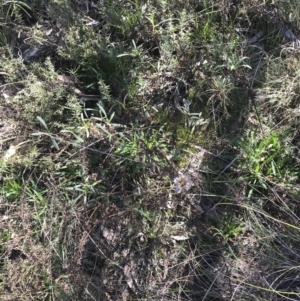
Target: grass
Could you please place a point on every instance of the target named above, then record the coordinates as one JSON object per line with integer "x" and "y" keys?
{"x": 149, "y": 151}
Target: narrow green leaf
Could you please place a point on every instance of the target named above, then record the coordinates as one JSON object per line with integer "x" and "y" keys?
{"x": 43, "y": 123}
{"x": 54, "y": 143}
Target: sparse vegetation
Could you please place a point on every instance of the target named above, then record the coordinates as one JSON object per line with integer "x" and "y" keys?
{"x": 149, "y": 150}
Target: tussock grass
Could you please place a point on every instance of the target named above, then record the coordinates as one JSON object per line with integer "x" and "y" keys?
{"x": 149, "y": 150}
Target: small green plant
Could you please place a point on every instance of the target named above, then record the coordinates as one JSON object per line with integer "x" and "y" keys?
{"x": 229, "y": 227}
{"x": 136, "y": 151}
{"x": 13, "y": 8}
{"x": 95, "y": 58}
{"x": 48, "y": 133}
{"x": 12, "y": 190}
{"x": 268, "y": 158}
{"x": 124, "y": 22}
{"x": 235, "y": 62}
{"x": 220, "y": 96}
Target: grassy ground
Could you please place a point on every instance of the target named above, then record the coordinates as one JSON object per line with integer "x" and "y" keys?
{"x": 149, "y": 150}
